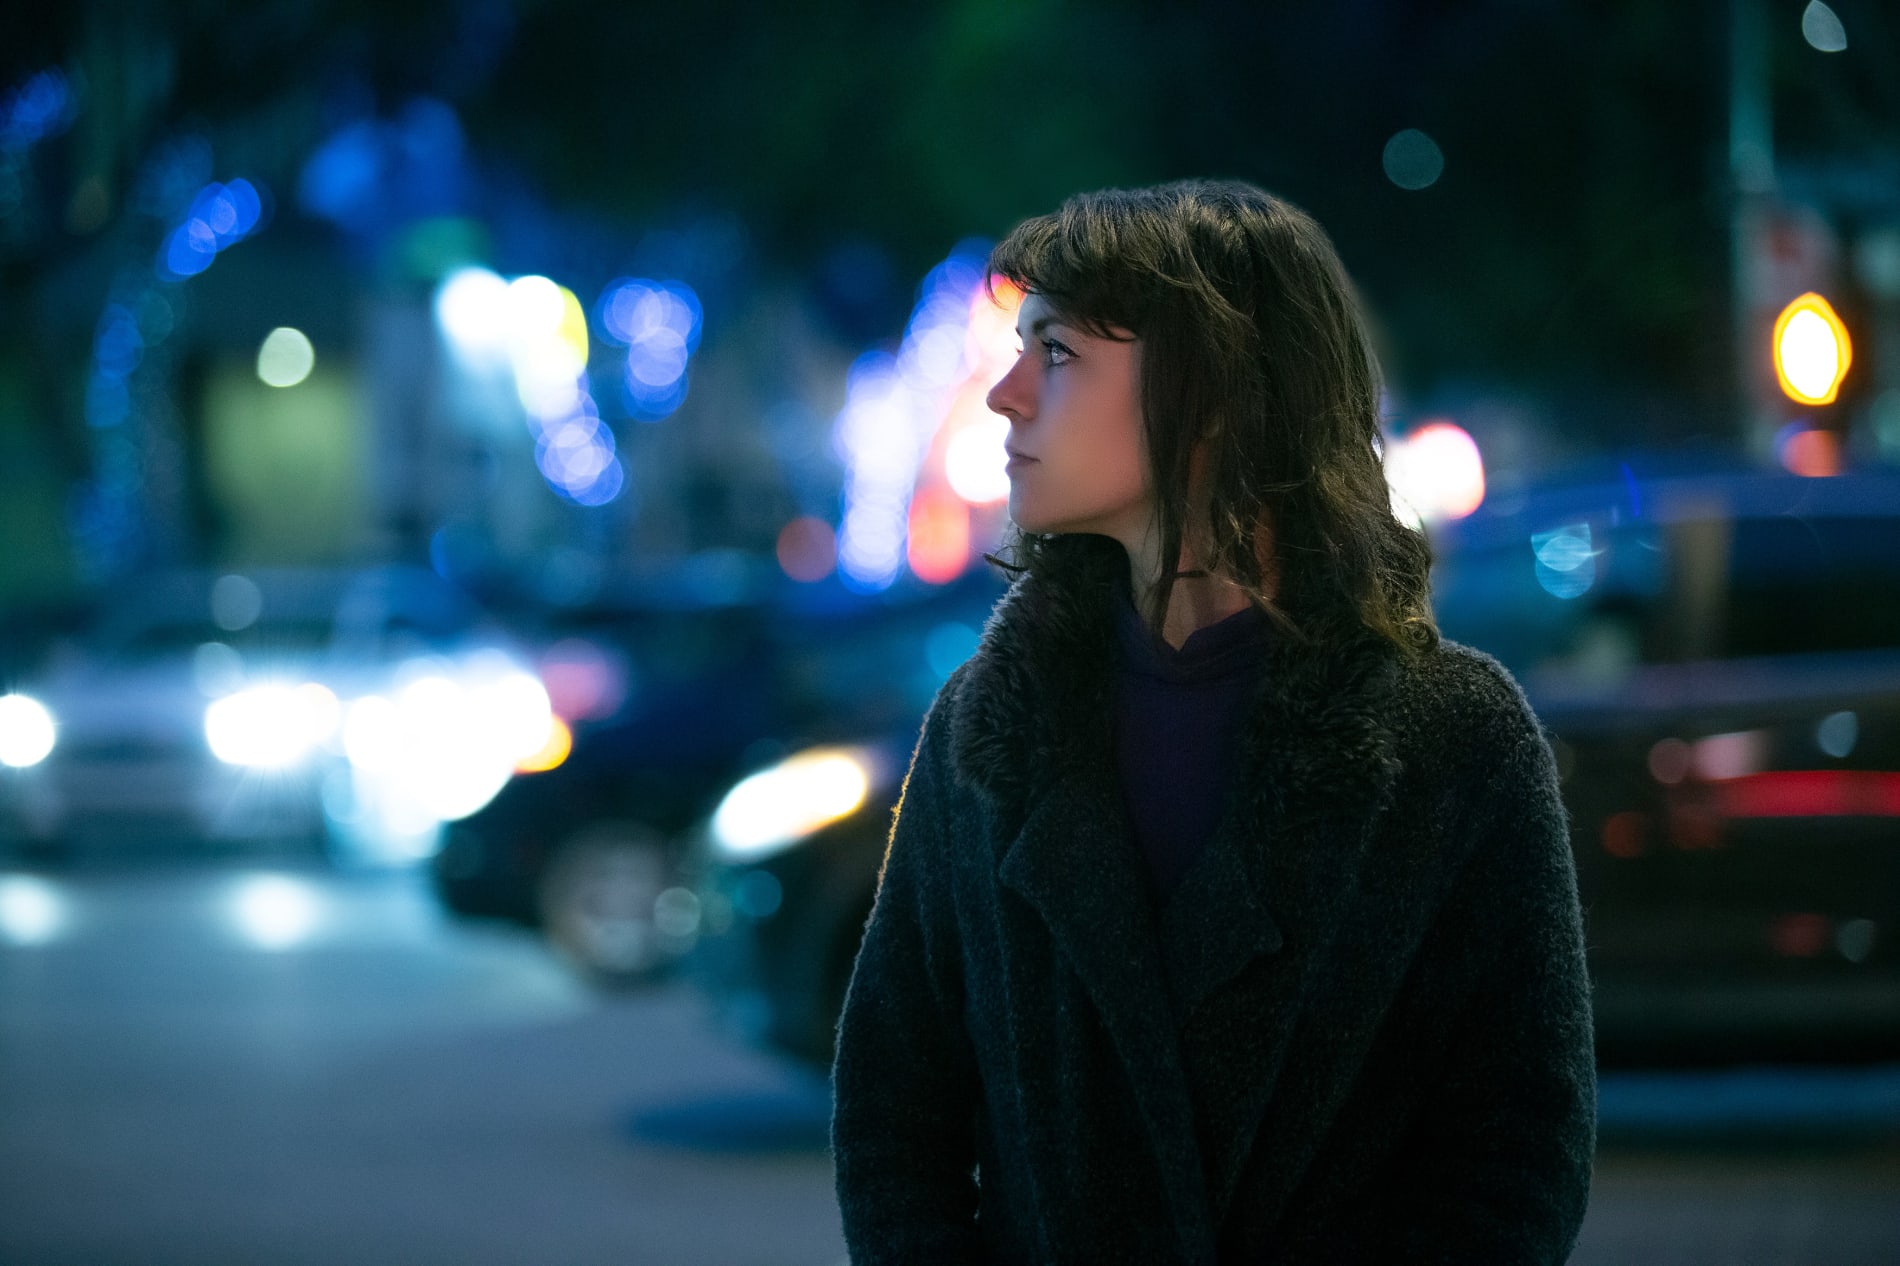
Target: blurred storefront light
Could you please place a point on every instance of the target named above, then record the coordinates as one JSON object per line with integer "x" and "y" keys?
{"x": 1837, "y": 733}
{"x": 285, "y": 358}
{"x": 1412, "y": 160}
{"x": 27, "y": 732}
{"x": 43, "y": 106}
{"x": 658, "y": 322}
{"x": 275, "y": 912}
{"x": 1565, "y": 561}
{"x": 894, "y": 409}
{"x": 807, "y": 549}
{"x": 32, "y": 911}
{"x": 220, "y": 216}
{"x": 974, "y": 461}
{"x": 1812, "y": 350}
{"x": 236, "y": 602}
{"x": 1821, "y": 28}
{"x": 1437, "y": 470}
{"x": 584, "y": 682}
{"x": 938, "y": 537}
{"x": 472, "y": 311}
{"x": 535, "y": 330}
{"x": 1808, "y": 450}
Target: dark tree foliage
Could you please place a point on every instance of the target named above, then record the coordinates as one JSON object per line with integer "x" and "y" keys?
{"x": 1576, "y": 240}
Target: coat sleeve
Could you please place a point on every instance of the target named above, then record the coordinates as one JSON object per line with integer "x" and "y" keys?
{"x": 904, "y": 1083}
{"x": 1498, "y": 1168}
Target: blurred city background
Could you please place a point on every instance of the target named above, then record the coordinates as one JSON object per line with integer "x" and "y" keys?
{"x": 487, "y": 491}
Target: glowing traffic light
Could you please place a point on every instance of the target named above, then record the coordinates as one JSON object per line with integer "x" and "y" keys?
{"x": 1812, "y": 350}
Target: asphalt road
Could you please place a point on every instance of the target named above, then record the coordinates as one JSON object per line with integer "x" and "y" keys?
{"x": 211, "y": 1065}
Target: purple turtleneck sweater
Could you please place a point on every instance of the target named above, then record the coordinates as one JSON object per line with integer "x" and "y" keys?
{"x": 1177, "y": 726}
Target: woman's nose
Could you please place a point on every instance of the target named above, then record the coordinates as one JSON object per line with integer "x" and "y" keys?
{"x": 1009, "y": 397}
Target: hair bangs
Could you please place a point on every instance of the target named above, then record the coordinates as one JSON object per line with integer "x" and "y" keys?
{"x": 1070, "y": 258}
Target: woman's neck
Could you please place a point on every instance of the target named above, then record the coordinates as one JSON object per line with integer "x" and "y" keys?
{"x": 1195, "y": 601}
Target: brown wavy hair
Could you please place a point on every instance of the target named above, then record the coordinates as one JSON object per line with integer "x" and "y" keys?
{"x": 1252, "y": 339}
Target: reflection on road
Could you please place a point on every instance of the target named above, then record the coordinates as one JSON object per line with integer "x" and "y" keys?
{"x": 213, "y": 1065}
{"x": 250, "y": 1066}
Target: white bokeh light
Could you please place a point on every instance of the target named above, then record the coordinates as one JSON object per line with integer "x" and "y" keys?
{"x": 285, "y": 358}
{"x": 472, "y": 309}
{"x": 975, "y": 463}
{"x": 32, "y": 911}
{"x": 275, "y": 912}
{"x": 1437, "y": 471}
{"x": 27, "y": 733}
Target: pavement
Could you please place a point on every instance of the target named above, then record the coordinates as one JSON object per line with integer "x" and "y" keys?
{"x": 212, "y": 1064}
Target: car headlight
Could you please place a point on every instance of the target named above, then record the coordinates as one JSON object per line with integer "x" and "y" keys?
{"x": 791, "y": 801}
{"x": 26, "y": 731}
{"x": 446, "y": 745}
{"x": 271, "y": 727}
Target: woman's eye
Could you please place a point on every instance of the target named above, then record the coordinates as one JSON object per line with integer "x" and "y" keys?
{"x": 1054, "y": 353}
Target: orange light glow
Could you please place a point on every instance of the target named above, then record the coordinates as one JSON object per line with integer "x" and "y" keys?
{"x": 971, "y": 443}
{"x": 553, "y": 752}
{"x": 1812, "y": 350}
{"x": 1626, "y": 834}
{"x": 807, "y": 549}
{"x": 990, "y": 344}
{"x": 939, "y": 546}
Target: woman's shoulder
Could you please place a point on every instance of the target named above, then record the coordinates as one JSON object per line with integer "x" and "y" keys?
{"x": 1459, "y": 699}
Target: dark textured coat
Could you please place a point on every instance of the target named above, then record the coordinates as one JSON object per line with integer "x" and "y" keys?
{"x": 1359, "y": 1030}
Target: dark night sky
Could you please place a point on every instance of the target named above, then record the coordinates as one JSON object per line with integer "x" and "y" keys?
{"x": 1576, "y": 242}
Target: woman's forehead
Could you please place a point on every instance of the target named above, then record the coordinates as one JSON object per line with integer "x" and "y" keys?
{"x": 1037, "y": 314}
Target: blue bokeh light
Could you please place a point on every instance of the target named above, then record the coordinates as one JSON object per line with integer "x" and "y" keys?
{"x": 39, "y": 108}
{"x": 658, "y": 322}
{"x": 649, "y": 403}
{"x": 577, "y": 458}
{"x": 1566, "y": 563}
{"x": 107, "y": 402}
{"x": 219, "y": 216}
{"x": 893, "y": 407}
{"x": 119, "y": 346}
{"x": 371, "y": 177}
{"x": 341, "y": 175}
{"x": 190, "y": 249}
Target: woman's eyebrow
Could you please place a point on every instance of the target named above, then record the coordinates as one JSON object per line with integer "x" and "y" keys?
{"x": 1037, "y": 326}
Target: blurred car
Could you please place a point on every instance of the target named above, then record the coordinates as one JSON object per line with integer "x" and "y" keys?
{"x": 668, "y": 701}
{"x": 1717, "y": 657}
{"x": 288, "y": 706}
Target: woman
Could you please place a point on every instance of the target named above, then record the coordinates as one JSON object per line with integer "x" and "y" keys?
{"x": 1228, "y": 914}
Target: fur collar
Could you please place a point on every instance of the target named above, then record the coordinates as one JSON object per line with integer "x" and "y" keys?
{"x": 1037, "y": 701}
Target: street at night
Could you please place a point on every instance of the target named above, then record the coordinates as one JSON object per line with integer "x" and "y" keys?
{"x": 245, "y": 1066}
{"x": 545, "y": 549}
{"x": 225, "y": 1065}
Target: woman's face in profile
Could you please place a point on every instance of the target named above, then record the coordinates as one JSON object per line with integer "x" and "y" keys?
{"x": 1078, "y": 460}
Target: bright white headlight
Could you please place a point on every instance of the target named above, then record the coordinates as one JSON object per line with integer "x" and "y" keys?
{"x": 271, "y": 727}
{"x": 26, "y": 731}
{"x": 791, "y": 801}
{"x": 446, "y": 744}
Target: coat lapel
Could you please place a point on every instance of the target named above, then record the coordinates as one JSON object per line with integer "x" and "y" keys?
{"x": 1074, "y": 863}
{"x": 1264, "y": 907}
{"x": 1202, "y": 1001}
